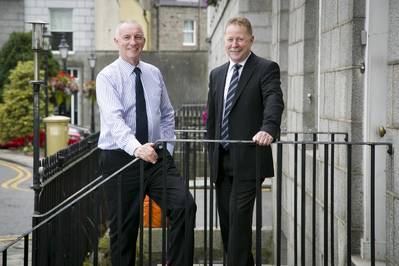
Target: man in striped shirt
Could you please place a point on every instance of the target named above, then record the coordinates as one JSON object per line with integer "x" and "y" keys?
{"x": 135, "y": 112}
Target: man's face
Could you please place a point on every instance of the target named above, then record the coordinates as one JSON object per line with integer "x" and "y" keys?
{"x": 237, "y": 42}
{"x": 130, "y": 42}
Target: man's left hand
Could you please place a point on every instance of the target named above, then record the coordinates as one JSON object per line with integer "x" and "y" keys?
{"x": 262, "y": 138}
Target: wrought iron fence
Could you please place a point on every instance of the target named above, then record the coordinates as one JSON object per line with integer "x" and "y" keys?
{"x": 191, "y": 116}
{"x": 70, "y": 225}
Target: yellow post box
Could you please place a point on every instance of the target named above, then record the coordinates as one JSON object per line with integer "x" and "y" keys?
{"x": 56, "y": 133}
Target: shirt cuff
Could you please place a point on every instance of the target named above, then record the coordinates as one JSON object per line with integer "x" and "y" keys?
{"x": 131, "y": 146}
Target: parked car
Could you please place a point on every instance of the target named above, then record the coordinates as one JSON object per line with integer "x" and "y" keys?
{"x": 76, "y": 133}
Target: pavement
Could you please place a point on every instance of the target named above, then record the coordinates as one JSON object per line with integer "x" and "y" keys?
{"x": 15, "y": 256}
{"x": 17, "y": 157}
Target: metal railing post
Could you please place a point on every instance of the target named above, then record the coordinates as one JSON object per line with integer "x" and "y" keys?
{"x": 164, "y": 203}
{"x": 303, "y": 206}
{"x": 372, "y": 202}
{"x": 325, "y": 202}
{"x": 296, "y": 200}
{"x": 332, "y": 199}
{"x": 141, "y": 200}
{"x": 314, "y": 202}
{"x": 258, "y": 209}
{"x": 349, "y": 206}
{"x": 278, "y": 200}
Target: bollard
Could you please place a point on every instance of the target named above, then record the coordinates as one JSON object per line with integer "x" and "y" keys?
{"x": 56, "y": 133}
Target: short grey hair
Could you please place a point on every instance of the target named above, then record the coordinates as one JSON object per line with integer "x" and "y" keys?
{"x": 129, "y": 22}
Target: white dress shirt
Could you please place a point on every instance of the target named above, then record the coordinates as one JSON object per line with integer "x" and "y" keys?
{"x": 230, "y": 72}
{"x": 116, "y": 98}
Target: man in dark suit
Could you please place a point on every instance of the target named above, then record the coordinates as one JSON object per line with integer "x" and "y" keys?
{"x": 245, "y": 102}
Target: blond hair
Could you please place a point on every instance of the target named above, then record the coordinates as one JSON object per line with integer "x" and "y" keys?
{"x": 240, "y": 21}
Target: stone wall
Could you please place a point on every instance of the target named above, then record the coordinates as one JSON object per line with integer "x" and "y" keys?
{"x": 392, "y": 194}
{"x": 170, "y": 20}
{"x": 279, "y": 46}
{"x": 82, "y": 19}
{"x": 12, "y": 18}
{"x": 259, "y": 12}
{"x": 185, "y": 74}
{"x": 323, "y": 94}
{"x": 321, "y": 50}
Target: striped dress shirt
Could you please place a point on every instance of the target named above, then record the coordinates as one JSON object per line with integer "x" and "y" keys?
{"x": 116, "y": 98}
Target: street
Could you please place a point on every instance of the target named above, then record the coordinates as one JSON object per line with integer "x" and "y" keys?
{"x": 16, "y": 199}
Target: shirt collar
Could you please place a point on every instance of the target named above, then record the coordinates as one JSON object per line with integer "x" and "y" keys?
{"x": 127, "y": 67}
{"x": 242, "y": 63}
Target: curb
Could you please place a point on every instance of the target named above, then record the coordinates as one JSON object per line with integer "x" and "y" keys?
{"x": 6, "y": 157}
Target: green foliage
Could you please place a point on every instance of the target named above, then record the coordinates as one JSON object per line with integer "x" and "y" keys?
{"x": 16, "y": 113}
{"x": 19, "y": 48}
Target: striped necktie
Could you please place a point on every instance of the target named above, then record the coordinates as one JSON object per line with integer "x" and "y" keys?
{"x": 141, "y": 111}
{"x": 224, "y": 135}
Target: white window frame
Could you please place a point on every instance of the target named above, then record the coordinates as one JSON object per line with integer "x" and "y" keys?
{"x": 78, "y": 101}
{"x": 68, "y": 29}
{"x": 193, "y": 32}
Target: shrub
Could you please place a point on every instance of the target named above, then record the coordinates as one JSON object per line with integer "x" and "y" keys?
{"x": 16, "y": 113}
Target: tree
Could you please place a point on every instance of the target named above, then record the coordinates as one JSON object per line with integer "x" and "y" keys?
{"x": 19, "y": 48}
{"x": 16, "y": 113}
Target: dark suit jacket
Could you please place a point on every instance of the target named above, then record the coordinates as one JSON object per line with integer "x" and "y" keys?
{"x": 257, "y": 105}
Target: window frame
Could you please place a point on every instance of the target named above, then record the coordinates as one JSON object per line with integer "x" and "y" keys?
{"x": 193, "y": 32}
{"x": 58, "y": 32}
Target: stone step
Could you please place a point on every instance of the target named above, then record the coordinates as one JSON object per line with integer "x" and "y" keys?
{"x": 359, "y": 261}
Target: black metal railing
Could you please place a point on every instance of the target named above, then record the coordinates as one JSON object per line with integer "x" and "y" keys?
{"x": 191, "y": 116}
{"x": 68, "y": 237}
{"x": 326, "y": 150}
{"x": 59, "y": 236}
{"x": 320, "y": 145}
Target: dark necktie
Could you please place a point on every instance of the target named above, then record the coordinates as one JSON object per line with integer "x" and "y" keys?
{"x": 141, "y": 112}
{"x": 228, "y": 103}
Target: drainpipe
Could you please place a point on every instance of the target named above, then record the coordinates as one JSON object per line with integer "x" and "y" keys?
{"x": 199, "y": 25}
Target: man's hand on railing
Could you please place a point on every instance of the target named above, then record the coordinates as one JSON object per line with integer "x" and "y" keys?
{"x": 147, "y": 153}
{"x": 262, "y": 138}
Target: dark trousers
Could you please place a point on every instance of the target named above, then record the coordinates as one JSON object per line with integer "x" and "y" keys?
{"x": 124, "y": 196}
{"x": 235, "y": 201}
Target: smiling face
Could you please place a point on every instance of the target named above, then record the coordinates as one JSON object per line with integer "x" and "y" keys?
{"x": 237, "y": 42}
{"x": 130, "y": 40}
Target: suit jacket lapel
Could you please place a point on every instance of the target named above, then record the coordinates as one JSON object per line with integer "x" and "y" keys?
{"x": 221, "y": 82}
{"x": 246, "y": 74}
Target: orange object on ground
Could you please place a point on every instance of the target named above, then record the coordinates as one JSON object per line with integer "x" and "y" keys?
{"x": 156, "y": 213}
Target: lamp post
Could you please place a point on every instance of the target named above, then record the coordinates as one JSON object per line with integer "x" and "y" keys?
{"x": 63, "y": 47}
{"x": 46, "y": 49}
{"x": 92, "y": 62}
{"x": 37, "y": 44}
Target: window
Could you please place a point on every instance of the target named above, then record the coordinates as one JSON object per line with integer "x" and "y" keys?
{"x": 61, "y": 25}
{"x": 189, "y": 32}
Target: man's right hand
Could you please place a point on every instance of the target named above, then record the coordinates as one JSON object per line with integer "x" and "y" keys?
{"x": 147, "y": 153}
